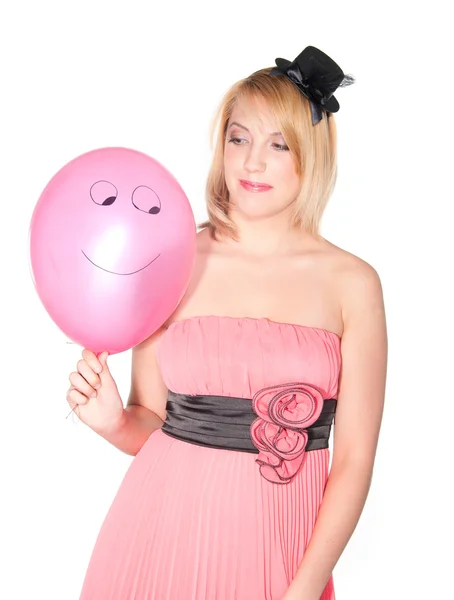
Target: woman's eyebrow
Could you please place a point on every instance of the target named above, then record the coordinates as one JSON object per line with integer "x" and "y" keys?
{"x": 246, "y": 129}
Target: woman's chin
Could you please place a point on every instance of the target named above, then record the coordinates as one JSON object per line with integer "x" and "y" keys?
{"x": 255, "y": 210}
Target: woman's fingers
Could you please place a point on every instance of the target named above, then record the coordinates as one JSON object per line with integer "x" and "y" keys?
{"x": 92, "y": 360}
{"x": 81, "y": 385}
{"x": 88, "y": 374}
{"x": 75, "y": 398}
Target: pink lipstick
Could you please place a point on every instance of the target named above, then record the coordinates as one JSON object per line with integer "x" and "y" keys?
{"x": 253, "y": 186}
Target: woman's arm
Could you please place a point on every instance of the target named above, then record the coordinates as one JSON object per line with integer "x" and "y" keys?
{"x": 145, "y": 410}
{"x": 364, "y": 349}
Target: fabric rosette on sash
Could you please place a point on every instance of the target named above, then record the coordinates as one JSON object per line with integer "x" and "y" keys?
{"x": 284, "y": 412}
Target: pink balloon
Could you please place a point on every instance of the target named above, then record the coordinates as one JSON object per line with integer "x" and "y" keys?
{"x": 112, "y": 247}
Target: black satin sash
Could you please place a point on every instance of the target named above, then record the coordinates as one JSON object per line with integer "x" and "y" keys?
{"x": 224, "y": 422}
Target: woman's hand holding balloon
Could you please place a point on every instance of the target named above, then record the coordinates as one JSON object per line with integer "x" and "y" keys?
{"x": 93, "y": 394}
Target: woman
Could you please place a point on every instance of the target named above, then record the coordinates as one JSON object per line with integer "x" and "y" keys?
{"x": 229, "y": 415}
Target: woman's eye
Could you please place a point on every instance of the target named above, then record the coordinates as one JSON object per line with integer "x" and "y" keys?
{"x": 281, "y": 146}
{"x": 236, "y": 140}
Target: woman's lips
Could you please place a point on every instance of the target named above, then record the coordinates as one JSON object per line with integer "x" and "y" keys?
{"x": 250, "y": 186}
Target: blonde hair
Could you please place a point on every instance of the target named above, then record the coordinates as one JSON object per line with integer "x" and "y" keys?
{"x": 314, "y": 148}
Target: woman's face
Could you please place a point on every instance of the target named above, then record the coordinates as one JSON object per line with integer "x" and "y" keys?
{"x": 255, "y": 151}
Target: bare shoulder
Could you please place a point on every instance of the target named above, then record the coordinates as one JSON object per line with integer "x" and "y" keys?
{"x": 364, "y": 348}
{"x": 204, "y": 241}
{"x": 358, "y": 285}
{"x": 203, "y": 256}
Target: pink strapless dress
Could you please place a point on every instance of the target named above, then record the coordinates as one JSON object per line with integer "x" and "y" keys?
{"x": 195, "y": 523}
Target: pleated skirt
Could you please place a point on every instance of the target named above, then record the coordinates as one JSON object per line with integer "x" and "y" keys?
{"x": 196, "y": 523}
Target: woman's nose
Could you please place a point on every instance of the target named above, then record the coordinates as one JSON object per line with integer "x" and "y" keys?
{"x": 255, "y": 160}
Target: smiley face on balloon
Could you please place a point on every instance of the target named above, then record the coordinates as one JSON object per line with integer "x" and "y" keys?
{"x": 112, "y": 245}
{"x": 105, "y": 193}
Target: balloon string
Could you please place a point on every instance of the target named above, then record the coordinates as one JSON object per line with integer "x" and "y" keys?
{"x": 71, "y": 411}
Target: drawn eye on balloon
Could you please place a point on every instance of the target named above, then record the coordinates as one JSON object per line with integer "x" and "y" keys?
{"x": 103, "y": 193}
{"x": 146, "y": 200}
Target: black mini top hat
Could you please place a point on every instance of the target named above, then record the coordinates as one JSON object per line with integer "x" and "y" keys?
{"x": 317, "y": 77}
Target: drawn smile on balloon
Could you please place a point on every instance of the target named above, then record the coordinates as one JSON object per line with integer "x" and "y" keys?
{"x": 114, "y": 272}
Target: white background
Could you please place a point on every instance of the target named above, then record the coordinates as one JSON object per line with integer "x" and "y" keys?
{"x": 81, "y": 75}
